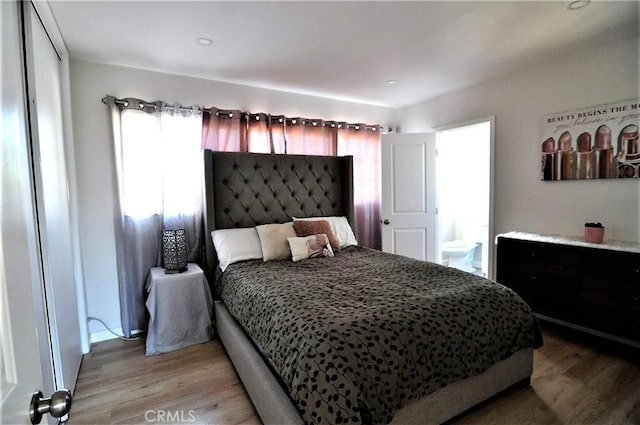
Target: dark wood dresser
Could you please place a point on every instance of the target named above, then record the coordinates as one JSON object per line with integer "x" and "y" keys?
{"x": 594, "y": 288}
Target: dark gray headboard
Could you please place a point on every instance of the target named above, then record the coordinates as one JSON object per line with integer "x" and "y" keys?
{"x": 249, "y": 189}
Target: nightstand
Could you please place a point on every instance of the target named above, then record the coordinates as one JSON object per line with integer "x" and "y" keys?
{"x": 180, "y": 309}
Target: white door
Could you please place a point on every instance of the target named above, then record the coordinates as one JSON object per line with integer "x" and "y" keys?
{"x": 20, "y": 275}
{"x": 408, "y": 195}
{"x": 52, "y": 193}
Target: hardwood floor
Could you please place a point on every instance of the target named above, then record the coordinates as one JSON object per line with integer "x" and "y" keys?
{"x": 578, "y": 379}
{"x": 118, "y": 384}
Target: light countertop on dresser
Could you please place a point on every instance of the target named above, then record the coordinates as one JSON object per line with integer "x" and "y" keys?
{"x": 573, "y": 240}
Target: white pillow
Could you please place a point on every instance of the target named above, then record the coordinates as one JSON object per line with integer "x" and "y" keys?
{"x": 273, "y": 239}
{"x": 311, "y": 246}
{"x": 233, "y": 245}
{"x": 340, "y": 227}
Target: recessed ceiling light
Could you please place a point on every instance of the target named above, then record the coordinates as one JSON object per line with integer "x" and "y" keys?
{"x": 205, "y": 41}
{"x": 392, "y": 82}
{"x": 578, "y": 4}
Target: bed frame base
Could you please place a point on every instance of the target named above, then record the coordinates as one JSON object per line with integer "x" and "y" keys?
{"x": 275, "y": 407}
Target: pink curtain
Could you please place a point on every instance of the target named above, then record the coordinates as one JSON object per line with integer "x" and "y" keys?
{"x": 265, "y": 133}
{"x": 278, "y": 126}
{"x": 235, "y": 131}
{"x": 224, "y": 130}
{"x": 363, "y": 142}
{"x": 258, "y": 134}
{"x": 311, "y": 137}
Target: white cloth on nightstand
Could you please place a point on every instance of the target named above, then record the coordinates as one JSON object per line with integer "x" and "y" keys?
{"x": 180, "y": 307}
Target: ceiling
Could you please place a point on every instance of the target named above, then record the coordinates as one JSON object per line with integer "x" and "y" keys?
{"x": 344, "y": 50}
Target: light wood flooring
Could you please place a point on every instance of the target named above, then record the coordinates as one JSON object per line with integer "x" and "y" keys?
{"x": 578, "y": 379}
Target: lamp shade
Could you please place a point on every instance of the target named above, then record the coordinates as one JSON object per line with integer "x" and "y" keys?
{"x": 174, "y": 250}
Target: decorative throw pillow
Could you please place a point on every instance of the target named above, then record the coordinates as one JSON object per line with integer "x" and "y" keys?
{"x": 310, "y": 247}
{"x": 340, "y": 226}
{"x": 273, "y": 240}
{"x": 316, "y": 227}
{"x": 233, "y": 245}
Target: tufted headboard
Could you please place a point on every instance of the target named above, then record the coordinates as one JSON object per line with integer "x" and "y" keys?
{"x": 249, "y": 189}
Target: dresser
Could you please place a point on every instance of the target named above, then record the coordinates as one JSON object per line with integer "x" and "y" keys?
{"x": 591, "y": 287}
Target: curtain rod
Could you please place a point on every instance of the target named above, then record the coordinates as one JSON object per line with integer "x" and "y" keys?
{"x": 142, "y": 104}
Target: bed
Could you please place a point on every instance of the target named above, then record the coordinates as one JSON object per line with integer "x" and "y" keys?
{"x": 335, "y": 339}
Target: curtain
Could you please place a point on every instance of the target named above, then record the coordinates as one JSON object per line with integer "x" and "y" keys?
{"x": 223, "y": 130}
{"x": 235, "y": 131}
{"x": 158, "y": 163}
{"x": 311, "y": 137}
{"x": 363, "y": 142}
{"x": 278, "y": 134}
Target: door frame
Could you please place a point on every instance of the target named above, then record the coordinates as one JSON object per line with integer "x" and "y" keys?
{"x": 492, "y": 132}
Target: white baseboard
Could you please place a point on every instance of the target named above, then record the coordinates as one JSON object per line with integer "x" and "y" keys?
{"x": 100, "y": 336}
{"x": 105, "y": 335}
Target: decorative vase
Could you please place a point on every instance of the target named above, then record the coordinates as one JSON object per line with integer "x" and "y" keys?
{"x": 174, "y": 250}
{"x": 593, "y": 232}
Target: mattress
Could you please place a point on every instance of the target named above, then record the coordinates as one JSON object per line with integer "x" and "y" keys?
{"x": 355, "y": 337}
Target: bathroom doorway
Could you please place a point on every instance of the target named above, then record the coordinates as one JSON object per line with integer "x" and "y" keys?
{"x": 464, "y": 179}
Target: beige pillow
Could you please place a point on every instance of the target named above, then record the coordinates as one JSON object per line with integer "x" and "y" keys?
{"x": 310, "y": 247}
{"x": 273, "y": 239}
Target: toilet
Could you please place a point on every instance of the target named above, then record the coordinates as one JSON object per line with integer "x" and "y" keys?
{"x": 460, "y": 252}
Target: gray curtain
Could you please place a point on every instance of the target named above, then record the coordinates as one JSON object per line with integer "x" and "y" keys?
{"x": 158, "y": 176}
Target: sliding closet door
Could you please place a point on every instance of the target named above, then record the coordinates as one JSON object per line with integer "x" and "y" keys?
{"x": 53, "y": 204}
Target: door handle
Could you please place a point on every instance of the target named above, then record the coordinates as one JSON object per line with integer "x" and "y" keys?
{"x": 385, "y": 221}
{"x": 57, "y": 406}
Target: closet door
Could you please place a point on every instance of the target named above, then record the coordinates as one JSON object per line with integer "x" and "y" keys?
{"x": 53, "y": 200}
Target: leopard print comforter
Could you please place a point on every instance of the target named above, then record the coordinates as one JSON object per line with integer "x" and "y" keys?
{"x": 357, "y": 336}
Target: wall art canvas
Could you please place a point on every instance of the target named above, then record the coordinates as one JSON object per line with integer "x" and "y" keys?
{"x": 599, "y": 142}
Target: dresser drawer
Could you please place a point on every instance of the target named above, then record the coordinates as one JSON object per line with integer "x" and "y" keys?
{"x": 536, "y": 254}
{"x": 546, "y": 291}
{"x": 621, "y": 295}
{"x": 612, "y": 266}
{"x": 610, "y": 318}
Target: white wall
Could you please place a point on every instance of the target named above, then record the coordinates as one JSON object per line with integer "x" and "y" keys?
{"x": 598, "y": 73}
{"x": 92, "y": 137}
